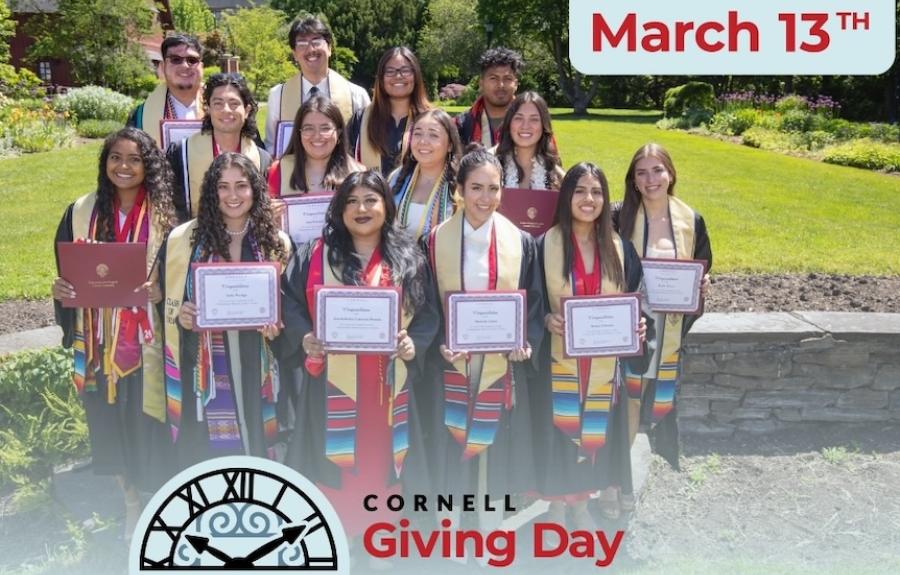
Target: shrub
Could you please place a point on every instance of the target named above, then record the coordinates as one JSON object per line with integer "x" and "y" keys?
{"x": 142, "y": 85}
{"x": 791, "y": 102}
{"x": 734, "y": 123}
{"x": 817, "y": 139}
{"x": 209, "y": 71}
{"x": 94, "y": 102}
{"x": 38, "y": 130}
{"x": 759, "y": 137}
{"x": 799, "y": 121}
{"x": 21, "y": 83}
{"x": 693, "y": 96}
{"x": 867, "y": 154}
{"x": 97, "y": 128}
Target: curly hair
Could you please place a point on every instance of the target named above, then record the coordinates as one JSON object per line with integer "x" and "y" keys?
{"x": 501, "y": 56}
{"x": 338, "y": 164}
{"x": 381, "y": 102}
{"x": 546, "y": 149}
{"x": 158, "y": 181}
{"x": 454, "y": 153}
{"x": 210, "y": 233}
{"x": 603, "y": 230}
{"x": 632, "y": 200}
{"x": 239, "y": 83}
{"x": 398, "y": 248}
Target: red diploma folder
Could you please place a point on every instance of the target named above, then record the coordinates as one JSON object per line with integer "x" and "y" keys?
{"x": 531, "y": 210}
{"x": 104, "y": 274}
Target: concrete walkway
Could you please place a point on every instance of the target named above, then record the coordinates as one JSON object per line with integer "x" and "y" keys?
{"x": 29, "y": 340}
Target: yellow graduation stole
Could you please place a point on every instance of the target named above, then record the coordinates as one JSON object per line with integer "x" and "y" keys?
{"x": 668, "y": 331}
{"x": 446, "y": 252}
{"x": 583, "y": 420}
{"x": 197, "y": 157}
{"x": 292, "y": 96}
{"x": 153, "y": 110}
{"x": 178, "y": 260}
{"x": 369, "y": 154}
{"x": 151, "y": 353}
{"x": 285, "y": 169}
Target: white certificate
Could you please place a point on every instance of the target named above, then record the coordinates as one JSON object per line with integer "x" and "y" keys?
{"x": 283, "y": 131}
{"x": 176, "y": 130}
{"x": 673, "y": 285}
{"x": 238, "y": 296}
{"x": 304, "y": 216}
{"x": 599, "y": 326}
{"x": 485, "y": 321}
{"x": 358, "y": 319}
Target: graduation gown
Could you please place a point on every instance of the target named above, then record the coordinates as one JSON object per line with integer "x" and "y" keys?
{"x": 374, "y": 467}
{"x": 506, "y": 466}
{"x": 691, "y": 242}
{"x": 125, "y": 439}
{"x": 398, "y": 136}
{"x": 192, "y": 439}
{"x": 562, "y": 469}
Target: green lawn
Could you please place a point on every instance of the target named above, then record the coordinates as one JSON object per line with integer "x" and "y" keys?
{"x": 765, "y": 212}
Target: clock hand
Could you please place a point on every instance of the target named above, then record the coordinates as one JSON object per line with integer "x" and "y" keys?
{"x": 201, "y": 545}
{"x": 288, "y": 535}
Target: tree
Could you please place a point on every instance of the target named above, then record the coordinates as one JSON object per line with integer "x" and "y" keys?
{"x": 192, "y": 17}
{"x": 451, "y": 40}
{"x": 96, "y": 37}
{"x": 7, "y": 31}
{"x": 258, "y": 35}
{"x": 547, "y": 21}
{"x": 367, "y": 27}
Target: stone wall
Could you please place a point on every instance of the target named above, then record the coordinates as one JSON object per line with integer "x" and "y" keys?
{"x": 762, "y": 372}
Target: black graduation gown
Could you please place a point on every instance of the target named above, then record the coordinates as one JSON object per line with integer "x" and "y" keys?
{"x": 192, "y": 445}
{"x": 394, "y": 136}
{"x": 664, "y": 435}
{"x": 306, "y": 451}
{"x": 124, "y": 440}
{"x": 556, "y": 455}
{"x": 174, "y": 155}
{"x": 510, "y": 459}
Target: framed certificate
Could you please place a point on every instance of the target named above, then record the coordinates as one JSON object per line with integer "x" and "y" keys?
{"x": 104, "y": 274}
{"x": 673, "y": 285}
{"x": 531, "y": 210}
{"x": 485, "y": 321}
{"x": 603, "y": 325}
{"x": 283, "y": 131}
{"x": 241, "y": 296}
{"x": 177, "y": 130}
{"x": 304, "y": 216}
{"x": 354, "y": 319}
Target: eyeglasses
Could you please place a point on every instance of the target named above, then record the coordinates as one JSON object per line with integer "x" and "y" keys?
{"x": 220, "y": 105}
{"x": 191, "y": 61}
{"x": 310, "y": 131}
{"x": 404, "y": 72}
{"x": 314, "y": 43}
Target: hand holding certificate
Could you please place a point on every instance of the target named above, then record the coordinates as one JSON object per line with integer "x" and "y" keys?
{"x": 304, "y": 216}
{"x": 600, "y": 326}
{"x": 530, "y": 210}
{"x": 357, "y": 319}
{"x": 239, "y": 296}
{"x": 673, "y": 286}
{"x": 103, "y": 274}
{"x": 486, "y": 321}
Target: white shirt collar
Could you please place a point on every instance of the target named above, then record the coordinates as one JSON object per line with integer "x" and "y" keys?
{"x": 183, "y": 112}
{"x": 482, "y": 235}
{"x": 322, "y": 86}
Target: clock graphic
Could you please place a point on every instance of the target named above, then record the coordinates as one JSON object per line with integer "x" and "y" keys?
{"x": 239, "y": 514}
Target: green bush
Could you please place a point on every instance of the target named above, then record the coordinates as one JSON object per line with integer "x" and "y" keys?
{"x": 21, "y": 83}
{"x": 841, "y": 129}
{"x": 734, "y": 123}
{"x": 759, "y": 137}
{"x": 791, "y": 102}
{"x": 97, "y": 128}
{"x": 800, "y": 121}
{"x": 815, "y": 140}
{"x": 142, "y": 85}
{"x": 35, "y": 130}
{"x": 867, "y": 154}
{"x": 94, "y": 102}
{"x": 42, "y": 423}
{"x": 209, "y": 71}
{"x": 687, "y": 98}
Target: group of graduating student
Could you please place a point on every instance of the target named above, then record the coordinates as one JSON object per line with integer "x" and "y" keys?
{"x": 409, "y": 210}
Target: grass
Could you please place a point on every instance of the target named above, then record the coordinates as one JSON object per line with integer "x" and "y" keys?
{"x": 765, "y": 212}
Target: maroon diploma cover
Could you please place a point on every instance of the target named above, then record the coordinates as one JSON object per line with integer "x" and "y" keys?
{"x": 531, "y": 210}
{"x": 104, "y": 274}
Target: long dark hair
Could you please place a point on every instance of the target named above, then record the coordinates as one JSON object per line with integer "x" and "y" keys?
{"x": 381, "y": 103}
{"x": 239, "y": 83}
{"x": 454, "y": 152}
{"x": 210, "y": 232}
{"x": 546, "y": 151}
{"x": 158, "y": 181}
{"x": 338, "y": 164}
{"x": 398, "y": 248}
{"x": 632, "y": 201}
{"x": 603, "y": 230}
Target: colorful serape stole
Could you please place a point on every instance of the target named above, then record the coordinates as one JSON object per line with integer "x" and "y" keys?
{"x": 399, "y": 423}
{"x": 340, "y": 430}
{"x": 666, "y": 380}
{"x": 439, "y": 206}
